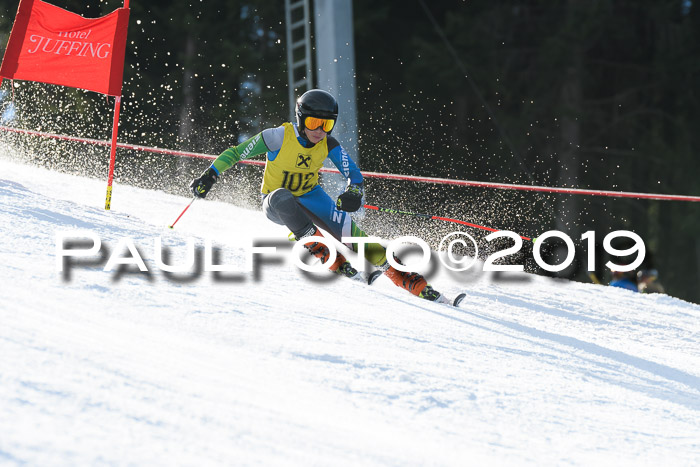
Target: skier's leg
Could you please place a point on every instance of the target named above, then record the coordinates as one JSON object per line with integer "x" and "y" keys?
{"x": 321, "y": 208}
{"x": 282, "y": 207}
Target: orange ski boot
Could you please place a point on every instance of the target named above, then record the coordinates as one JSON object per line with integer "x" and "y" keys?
{"x": 340, "y": 266}
{"x": 411, "y": 281}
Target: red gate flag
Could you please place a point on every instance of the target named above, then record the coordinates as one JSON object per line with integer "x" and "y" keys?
{"x": 52, "y": 45}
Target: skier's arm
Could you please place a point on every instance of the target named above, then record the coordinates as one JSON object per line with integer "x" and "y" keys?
{"x": 351, "y": 199}
{"x": 249, "y": 148}
{"x": 259, "y": 144}
{"x": 342, "y": 160}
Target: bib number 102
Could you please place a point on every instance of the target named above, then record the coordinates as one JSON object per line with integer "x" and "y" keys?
{"x": 293, "y": 180}
{"x": 588, "y": 237}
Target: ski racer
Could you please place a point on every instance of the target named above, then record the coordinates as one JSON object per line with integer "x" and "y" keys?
{"x": 291, "y": 192}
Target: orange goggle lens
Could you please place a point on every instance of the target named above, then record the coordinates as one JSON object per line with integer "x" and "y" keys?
{"x": 313, "y": 123}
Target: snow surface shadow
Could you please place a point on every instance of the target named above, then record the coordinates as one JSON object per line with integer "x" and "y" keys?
{"x": 58, "y": 219}
{"x": 690, "y": 399}
{"x": 10, "y": 185}
{"x": 539, "y": 307}
{"x": 55, "y": 214}
{"x": 327, "y": 358}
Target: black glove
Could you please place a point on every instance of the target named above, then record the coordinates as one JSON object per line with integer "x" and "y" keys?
{"x": 201, "y": 186}
{"x": 351, "y": 199}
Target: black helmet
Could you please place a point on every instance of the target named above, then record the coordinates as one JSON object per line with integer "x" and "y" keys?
{"x": 316, "y": 103}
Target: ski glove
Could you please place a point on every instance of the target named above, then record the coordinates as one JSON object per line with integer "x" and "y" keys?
{"x": 351, "y": 199}
{"x": 201, "y": 186}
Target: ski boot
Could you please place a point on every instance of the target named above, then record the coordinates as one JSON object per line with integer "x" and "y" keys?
{"x": 340, "y": 266}
{"x": 416, "y": 284}
{"x": 411, "y": 281}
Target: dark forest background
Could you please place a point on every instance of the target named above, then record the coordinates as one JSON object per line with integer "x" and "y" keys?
{"x": 597, "y": 94}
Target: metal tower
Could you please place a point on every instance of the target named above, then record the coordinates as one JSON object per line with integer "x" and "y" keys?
{"x": 335, "y": 60}
{"x": 299, "y": 68}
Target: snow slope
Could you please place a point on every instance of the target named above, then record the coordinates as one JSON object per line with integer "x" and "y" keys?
{"x": 130, "y": 368}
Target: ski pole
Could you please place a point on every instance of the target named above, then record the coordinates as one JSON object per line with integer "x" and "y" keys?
{"x": 428, "y": 216}
{"x": 183, "y": 212}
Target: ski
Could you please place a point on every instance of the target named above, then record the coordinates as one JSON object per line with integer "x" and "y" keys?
{"x": 437, "y": 297}
{"x": 346, "y": 270}
{"x": 451, "y": 301}
{"x": 374, "y": 276}
{"x": 428, "y": 293}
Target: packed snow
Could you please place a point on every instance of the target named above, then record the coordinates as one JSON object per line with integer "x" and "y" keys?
{"x": 272, "y": 367}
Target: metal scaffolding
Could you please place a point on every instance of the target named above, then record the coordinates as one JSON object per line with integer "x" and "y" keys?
{"x": 299, "y": 62}
{"x": 333, "y": 64}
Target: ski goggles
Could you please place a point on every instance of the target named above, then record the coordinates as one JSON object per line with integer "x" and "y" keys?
{"x": 313, "y": 123}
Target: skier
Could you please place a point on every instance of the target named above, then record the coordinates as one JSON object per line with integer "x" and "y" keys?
{"x": 624, "y": 280}
{"x": 648, "y": 281}
{"x": 292, "y": 195}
